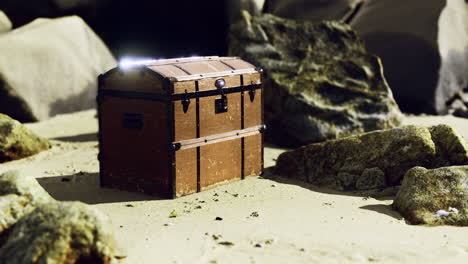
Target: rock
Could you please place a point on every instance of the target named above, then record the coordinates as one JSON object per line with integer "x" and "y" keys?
{"x": 312, "y": 10}
{"x": 24, "y": 11}
{"x": 435, "y": 197}
{"x": 319, "y": 81}
{"x": 373, "y": 160}
{"x": 19, "y": 196}
{"x": 425, "y": 54}
{"x": 60, "y": 232}
{"x": 234, "y": 8}
{"x": 16, "y": 141}
{"x": 5, "y": 23}
{"x": 51, "y": 67}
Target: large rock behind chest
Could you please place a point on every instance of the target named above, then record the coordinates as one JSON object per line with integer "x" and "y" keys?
{"x": 312, "y": 10}
{"x": 319, "y": 81}
{"x": 51, "y": 67}
{"x": 5, "y": 23}
{"x": 423, "y": 46}
{"x": 374, "y": 160}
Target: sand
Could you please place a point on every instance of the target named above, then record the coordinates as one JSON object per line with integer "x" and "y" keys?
{"x": 267, "y": 220}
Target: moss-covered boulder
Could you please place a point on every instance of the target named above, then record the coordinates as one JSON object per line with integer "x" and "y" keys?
{"x": 374, "y": 160}
{"x": 19, "y": 196}
{"x": 60, "y": 232}
{"x": 320, "y": 83}
{"x": 35, "y": 228}
{"x": 435, "y": 197}
{"x": 16, "y": 141}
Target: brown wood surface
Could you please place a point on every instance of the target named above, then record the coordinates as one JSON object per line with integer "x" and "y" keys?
{"x": 202, "y": 67}
{"x": 186, "y": 171}
{"x": 212, "y": 123}
{"x": 134, "y": 80}
{"x": 185, "y": 124}
{"x": 130, "y": 156}
{"x": 252, "y": 109}
{"x": 181, "y": 87}
{"x": 220, "y": 162}
{"x": 253, "y": 155}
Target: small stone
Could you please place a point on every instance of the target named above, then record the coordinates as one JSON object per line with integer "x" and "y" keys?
{"x": 173, "y": 214}
{"x": 226, "y": 243}
{"x": 216, "y": 237}
{"x": 254, "y": 214}
{"x": 198, "y": 207}
{"x": 168, "y": 224}
{"x": 129, "y": 205}
{"x": 218, "y": 218}
{"x": 259, "y": 245}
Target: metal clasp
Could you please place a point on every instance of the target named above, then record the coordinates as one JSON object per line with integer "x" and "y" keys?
{"x": 252, "y": 92}
{"x": 221, "y": 104}
{"x": 185, "y": 102}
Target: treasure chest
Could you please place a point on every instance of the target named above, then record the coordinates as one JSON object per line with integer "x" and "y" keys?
{"x": 179, "y": 126}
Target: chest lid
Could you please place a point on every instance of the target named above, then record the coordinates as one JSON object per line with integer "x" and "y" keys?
{"x": 195, "y": 68}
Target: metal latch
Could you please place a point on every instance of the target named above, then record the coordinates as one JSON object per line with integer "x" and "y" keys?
{"x": 221, "y": 104}
{"x": 252, "y": 92}
{"x": 132, "y": 121}
{"x": 185, "y": 102}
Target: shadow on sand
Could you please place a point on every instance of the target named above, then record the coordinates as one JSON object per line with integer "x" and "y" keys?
{"x": 79, "y": 138}
{"x": 84, "y": 187}
{"x": 388, "y": 194}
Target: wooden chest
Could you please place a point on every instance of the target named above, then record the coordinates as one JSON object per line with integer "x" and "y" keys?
{"x": 178, "y": 126}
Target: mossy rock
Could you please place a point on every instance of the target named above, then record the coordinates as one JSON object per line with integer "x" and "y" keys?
{"x": 374, "y": 160}
{"x": 35, "y": 228}
{"x": 19, "y": 196}
{"x": 60, "y": 232}
{"x": 320, "y": 83}
{"x": 424, "y": 192}
{"x": 16, "y": 141}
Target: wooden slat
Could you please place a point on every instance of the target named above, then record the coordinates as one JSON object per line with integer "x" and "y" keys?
{"x": 212, "y": 123}
{"x": 238, "y": 64}
{"x": 180, "y": 87}
{"x": 203, "y": 67}
{"x": 186, "y": 172}
{"x": 220, "y": 163}
{"x": 253, "y": 155}
{"x": 252, "y": 109}
{"x": 209, "y": 83}
{"x": 196, "y": 142}
{"x": 185, "y": 122}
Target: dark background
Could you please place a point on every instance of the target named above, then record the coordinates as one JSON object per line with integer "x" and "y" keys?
{"x": 140, "y": 27}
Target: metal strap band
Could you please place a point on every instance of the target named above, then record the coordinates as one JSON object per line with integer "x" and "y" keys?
{"x": 197, "y": 142}
{"x": 174, "y": 97}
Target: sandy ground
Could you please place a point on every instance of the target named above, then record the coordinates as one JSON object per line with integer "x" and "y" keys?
{"x": 264, "y": 220}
